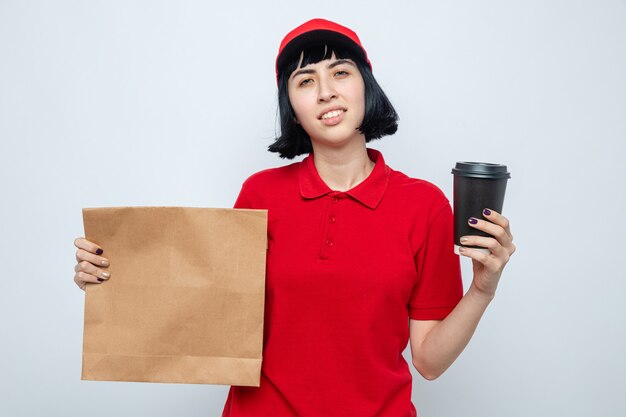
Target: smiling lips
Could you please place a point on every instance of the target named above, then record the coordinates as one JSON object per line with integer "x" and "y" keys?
{"x": 332, "y": 117}
{"x": 331, "y": 114}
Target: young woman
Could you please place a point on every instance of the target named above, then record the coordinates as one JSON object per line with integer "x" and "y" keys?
{"x": 360, "y": 257}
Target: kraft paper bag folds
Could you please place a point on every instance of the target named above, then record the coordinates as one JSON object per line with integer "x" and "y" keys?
{"x": 185, "y": 299}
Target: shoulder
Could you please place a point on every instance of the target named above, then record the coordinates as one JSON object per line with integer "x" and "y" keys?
{"x": 266, "y": 187}
{"x": 423, "y": 206}
{"x": 271, "y": 177}
{"x": 416, "y": 190}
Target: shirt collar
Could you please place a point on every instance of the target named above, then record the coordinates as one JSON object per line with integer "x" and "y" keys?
{"x": 369, "y": 192}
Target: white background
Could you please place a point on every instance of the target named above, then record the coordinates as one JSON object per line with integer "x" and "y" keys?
{"x": 107, "y": 103}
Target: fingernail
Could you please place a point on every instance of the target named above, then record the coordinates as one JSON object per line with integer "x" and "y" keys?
{"x": 461, "y": 249}
{"x": 486, "y": 212}
{"x": 472, "y": 220}
{"x": 99, "y": 251}
{"x": 104, "y": 263}
{"x": 106, "y": 275}
{"x": 464, "y": 239}
{"x": 100, "y": 279}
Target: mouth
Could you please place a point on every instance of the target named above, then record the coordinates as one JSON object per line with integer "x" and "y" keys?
{"x": 332, "y": 114}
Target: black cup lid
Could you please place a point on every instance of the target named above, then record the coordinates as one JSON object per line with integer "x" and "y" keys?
{"x": 481, "y": 170}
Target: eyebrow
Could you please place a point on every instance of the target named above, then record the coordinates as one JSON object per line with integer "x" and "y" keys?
{"x": 330, "y": 66}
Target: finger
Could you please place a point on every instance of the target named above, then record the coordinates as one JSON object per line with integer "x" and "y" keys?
{"x": 493, "y": 229}
{"x": 490, "y": 262}
{"x": 474, "y": 254}
{"x": 484, "y": 242}
{"x": 82, "y": 279}
{"x": 90, "y": 268}
{"x": 498, "y": 219}
{"x": 83, "y": 255}
{"x": 82, "y": 243}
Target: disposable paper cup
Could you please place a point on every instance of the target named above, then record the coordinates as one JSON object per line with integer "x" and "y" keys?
{"x": 477, "y": 186}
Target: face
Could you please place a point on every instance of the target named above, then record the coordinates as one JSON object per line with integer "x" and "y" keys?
{"x": 328, "y": 99}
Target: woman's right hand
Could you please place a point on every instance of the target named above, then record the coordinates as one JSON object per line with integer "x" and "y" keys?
{"x": 90, "y": 266}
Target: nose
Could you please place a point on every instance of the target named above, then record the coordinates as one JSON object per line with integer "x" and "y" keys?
{"x": 326, "y": 91}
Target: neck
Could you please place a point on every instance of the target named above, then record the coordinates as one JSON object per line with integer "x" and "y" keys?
{"x": 343, "y": 168}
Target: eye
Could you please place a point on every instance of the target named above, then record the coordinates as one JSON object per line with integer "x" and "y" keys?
{"x": 305, "y": 82}
{"x": 341, "y": 73}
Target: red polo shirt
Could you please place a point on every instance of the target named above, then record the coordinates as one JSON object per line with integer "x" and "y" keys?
{"x": 345, "y": 272}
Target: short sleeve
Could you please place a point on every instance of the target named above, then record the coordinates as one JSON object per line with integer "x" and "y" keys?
{"x": 439, "y": 286}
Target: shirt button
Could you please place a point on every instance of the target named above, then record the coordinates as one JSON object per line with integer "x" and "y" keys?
{"x": 334, "y": 199}
{"x": 332, "y": 219}
{"x": 329, "y": 242}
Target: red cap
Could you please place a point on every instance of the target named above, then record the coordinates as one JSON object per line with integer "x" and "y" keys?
{"x": 315, "y": 32}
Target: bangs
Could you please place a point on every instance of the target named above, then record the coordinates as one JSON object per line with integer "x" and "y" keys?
{"x": 313, "y": 55}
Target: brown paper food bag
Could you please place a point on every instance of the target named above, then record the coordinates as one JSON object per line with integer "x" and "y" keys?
{"x": 185, "y": 299}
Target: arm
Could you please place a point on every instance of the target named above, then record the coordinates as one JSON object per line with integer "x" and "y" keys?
{"x": 435, "y": 345}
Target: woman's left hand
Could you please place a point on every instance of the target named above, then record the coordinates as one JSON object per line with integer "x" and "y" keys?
{"x": 488, "y": 267}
